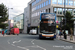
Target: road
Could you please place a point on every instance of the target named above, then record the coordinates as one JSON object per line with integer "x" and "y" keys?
{"x": 32, "y": 42}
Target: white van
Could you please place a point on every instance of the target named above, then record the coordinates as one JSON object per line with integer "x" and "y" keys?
{"x": 33, "y": 31}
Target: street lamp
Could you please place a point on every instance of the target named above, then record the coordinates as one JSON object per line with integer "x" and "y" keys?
{"x": 8, "y": 19}
{"x": 8, "y": 11}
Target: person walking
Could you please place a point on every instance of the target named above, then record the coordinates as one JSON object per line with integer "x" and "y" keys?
{"x": 3, "y": 32}
{"x": 65, "y": 36}
{"x": 60, "y": 33}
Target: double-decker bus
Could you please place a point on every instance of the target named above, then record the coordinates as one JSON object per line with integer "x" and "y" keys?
{"x": 47, "y": 25}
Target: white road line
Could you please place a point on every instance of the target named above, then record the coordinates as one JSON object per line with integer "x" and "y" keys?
{"x": 12, "y": 44}
{"x": 36, "y": 45}
{"x": 33, "y": 42}
{"x": 8, "y": 42}
{"x": 17, "y": 41}
{"x": 41, "y": 47}
{"x": 22, "y": 47}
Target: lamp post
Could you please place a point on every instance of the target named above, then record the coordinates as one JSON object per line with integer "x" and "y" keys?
{"x": 8, "y": 11}
{"x": 8, "y": 19}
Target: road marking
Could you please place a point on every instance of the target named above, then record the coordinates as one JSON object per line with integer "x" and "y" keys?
{"x": 36, "y": 45}
{"x": 41, "y": 47}
{"x": 17, "y": 41}
{"x": 33, "y": 42}
{"x": 22, "y": 47}
{"x": 8, "y": 42}
{"x": 12, "y": 44}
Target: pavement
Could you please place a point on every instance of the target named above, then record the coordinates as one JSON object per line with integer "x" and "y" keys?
{"x": 2, "y": 35}
{"x": 32, "y": 42}
{"x": 5, "y": 35}
{"x": 67, "y": 40}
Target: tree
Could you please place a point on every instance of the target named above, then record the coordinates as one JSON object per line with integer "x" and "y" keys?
{"x": 69, "y": 22}
{"x": 3, "y": 16}
{"x": 15, "y": 26}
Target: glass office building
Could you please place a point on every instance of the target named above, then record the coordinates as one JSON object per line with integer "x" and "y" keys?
{"x": 18, "y": 21}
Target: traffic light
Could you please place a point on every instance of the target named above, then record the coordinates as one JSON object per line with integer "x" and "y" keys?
{"x": 63, "y": 21}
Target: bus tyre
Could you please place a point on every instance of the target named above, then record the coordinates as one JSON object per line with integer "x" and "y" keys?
{"x": 40, "y": 38}
{"x": 52, "y": 38}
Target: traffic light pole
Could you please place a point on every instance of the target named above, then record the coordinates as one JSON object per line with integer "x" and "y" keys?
{"x": 65, "y": 37}
{"x": 64, "y": 11}
{"x": 64, "y": 15}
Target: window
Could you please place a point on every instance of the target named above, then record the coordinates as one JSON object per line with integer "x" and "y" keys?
{"x": 46, "y": 3}
{"x": 60, "y": 2}
{"x": 38, "y": 6}
{"x": 64, "y": 11}
{"x": 54, "y": 1}
{"x": 44, "y": 11}
{"x": 32, "y": 4}
{"x": 59, "y": 10}
{"x": 71, "y": 11}
{"x": 42, "y": 4}
{"x": 40, "y": 0}
{"x": 70, "y": 2}
{"x": 36, "y": 1}
{"x": 59, "y": 19}
{"x": 66, "y": 2}
{"x": 74, "y": 3}
{"x": 49, "y": 1}
{"x": 55, "y": 9}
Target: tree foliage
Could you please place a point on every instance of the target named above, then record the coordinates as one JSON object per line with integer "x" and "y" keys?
{"x": 69, "y": 22}
{"x": 3, "y": 16}
{"x": 15, "y": 26}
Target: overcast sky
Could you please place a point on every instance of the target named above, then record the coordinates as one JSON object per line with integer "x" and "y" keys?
{"x": 17, "y": 5}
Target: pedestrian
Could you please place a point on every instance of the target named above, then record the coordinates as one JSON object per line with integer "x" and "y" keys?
{"x": 60, "y": 33}
{"x": 65, "y": 36}
{"x": 3, "y": 32}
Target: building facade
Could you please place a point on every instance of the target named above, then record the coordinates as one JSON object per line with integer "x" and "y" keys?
{"x": 26, "y": 19}
{"x": 36, "y": 7}
{"x": 50, "y": 6}
{"x": 19, "y": 22}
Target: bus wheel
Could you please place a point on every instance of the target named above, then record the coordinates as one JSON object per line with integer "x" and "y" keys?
{"x": 40, "y": 38}
{"x": 52, "y": 38}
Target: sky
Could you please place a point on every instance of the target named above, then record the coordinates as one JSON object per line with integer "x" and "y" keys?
{"x": 17, "y": 5}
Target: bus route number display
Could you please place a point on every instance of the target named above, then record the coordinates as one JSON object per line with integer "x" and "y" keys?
{"x": 48, "y": 16}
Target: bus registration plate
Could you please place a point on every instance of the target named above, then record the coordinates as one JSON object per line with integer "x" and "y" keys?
{"x": 47, "y": 37}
